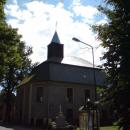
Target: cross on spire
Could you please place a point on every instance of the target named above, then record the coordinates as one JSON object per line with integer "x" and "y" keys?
{"x": 56, "y": 25}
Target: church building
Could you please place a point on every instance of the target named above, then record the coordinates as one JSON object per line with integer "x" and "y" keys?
{"x": 55, "y": 86}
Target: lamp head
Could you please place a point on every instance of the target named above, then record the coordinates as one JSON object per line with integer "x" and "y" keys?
{"x": 76, "y": 39}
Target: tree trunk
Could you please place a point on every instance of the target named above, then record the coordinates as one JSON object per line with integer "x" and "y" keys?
{"x": 8, "y": 107}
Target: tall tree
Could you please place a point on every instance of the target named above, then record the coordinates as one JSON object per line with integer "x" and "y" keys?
{"x": 115, "y": 37}
{"x": 14, "y": 61}
{"x": 2, "y": 15}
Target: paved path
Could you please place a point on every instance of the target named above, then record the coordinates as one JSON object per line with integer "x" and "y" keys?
{"x": 16, "y": 128}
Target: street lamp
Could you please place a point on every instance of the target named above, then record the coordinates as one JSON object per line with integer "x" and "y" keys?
{"x": 94, "y": 78}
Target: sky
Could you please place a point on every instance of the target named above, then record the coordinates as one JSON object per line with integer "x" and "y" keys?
{"x": 36, "y": 21}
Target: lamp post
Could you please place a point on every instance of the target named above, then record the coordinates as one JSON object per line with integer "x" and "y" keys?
{"x": 94, "y": 78}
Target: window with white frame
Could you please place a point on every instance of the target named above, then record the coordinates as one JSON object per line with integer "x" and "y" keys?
{"x": 70, "y": 95}
{"x": 39, "y": 94}
{"x": 86, "y": 94}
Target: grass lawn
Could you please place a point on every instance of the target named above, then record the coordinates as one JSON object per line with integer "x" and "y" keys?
{"x": 109, "y": 128}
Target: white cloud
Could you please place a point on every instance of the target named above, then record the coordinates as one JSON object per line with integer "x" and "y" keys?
{"x": 36, "y": 22}
{"x": 86, "y": 12}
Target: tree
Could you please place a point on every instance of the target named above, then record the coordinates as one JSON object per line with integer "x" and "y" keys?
{"x": 14, "y": 61}
{"x": 115, "y": 37}
{"x": 2, "y": 15}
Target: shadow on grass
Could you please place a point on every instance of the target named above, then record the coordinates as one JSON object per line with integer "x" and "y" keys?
{"x": 14, "y": 126}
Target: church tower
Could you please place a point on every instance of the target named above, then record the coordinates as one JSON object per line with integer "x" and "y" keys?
{"x": 55, "y": 49}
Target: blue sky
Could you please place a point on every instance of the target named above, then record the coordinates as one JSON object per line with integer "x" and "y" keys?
{"x": 66, "y": 2}
{"x": 36, "y": 20}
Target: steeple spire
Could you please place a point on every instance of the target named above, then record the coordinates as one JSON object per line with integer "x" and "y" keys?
{"x": 55, "y": 38}
{"x": 55, "y": 49}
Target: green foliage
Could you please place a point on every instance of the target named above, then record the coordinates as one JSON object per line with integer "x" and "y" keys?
{"x": 2, "y": 15}
{"x": 14, "y": 61}
{"x": 14, "y": 54}
{"x": 115, "y": 37}
{"x": 100, "y": 89}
